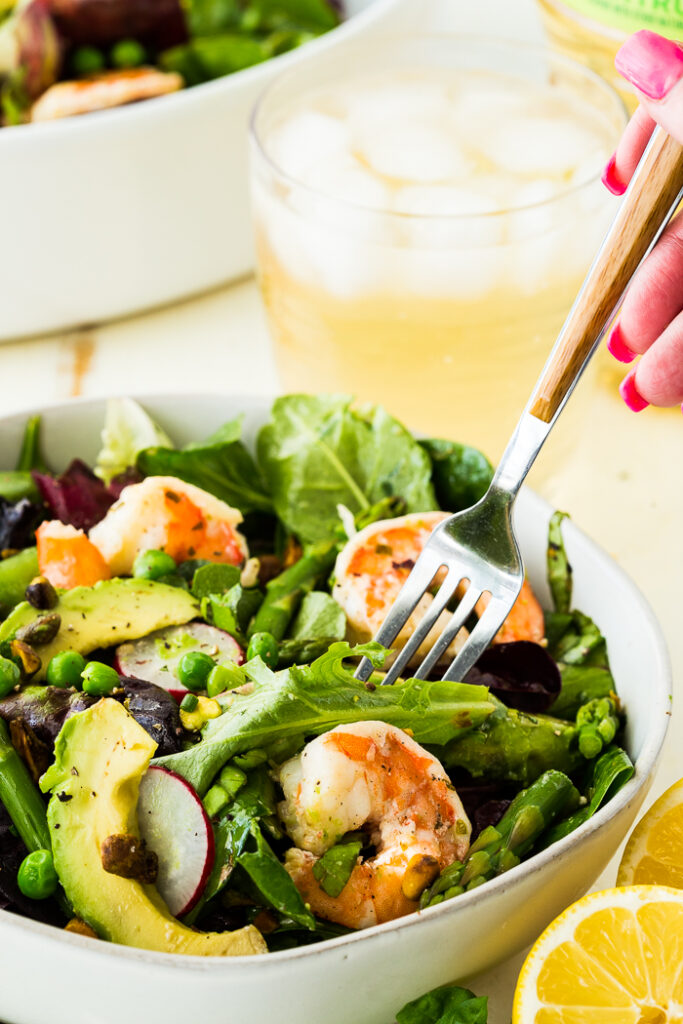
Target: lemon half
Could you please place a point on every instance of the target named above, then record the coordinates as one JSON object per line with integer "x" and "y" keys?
{"x": 614, "y": 957}
{"x": 654, "y": 853}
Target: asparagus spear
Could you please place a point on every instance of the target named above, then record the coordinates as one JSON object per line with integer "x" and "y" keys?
{"x": 518, "y": 747}
{"x": 501, "y": 847}
{"x": 21, "y": 798}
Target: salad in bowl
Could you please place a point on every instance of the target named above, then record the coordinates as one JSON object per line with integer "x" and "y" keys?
{"x": 187, "y": 763}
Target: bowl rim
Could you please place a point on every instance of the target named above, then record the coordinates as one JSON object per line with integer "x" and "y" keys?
{"x": 645, "y": 763}
{"x": 134, "y": 114}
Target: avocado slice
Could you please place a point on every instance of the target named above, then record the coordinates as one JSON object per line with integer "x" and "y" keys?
{"x": 106, "y": 614}
{"x": 100, "y": 757}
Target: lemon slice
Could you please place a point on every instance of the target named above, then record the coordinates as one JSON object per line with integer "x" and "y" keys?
{"x": 615, "y": 957}
{"x": 654, "y": 853}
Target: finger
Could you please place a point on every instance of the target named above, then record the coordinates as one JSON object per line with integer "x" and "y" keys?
{"x": 654, "y": 66}
{"x": 623, "y": 163}
{"x": 654, "y": 299}
{"x": 658, "y": 377}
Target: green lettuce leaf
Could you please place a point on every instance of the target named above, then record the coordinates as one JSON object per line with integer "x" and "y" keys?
{"x": 319, "y": 453}
{"x": 273, "y": 882}
{"x": 447, "y": 1005}
{"x": 559, "y": 569}
{"x": 318, "y": 615}
{"x": 220, "y": 465}
{"x": 310, "y": 699}
{"x": 127, "y": 430}
{"x": 30, "y": 455}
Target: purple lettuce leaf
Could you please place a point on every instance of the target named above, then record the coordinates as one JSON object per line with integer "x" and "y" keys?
{"x": 521, "y": 674}
{"x": 76, "y": 497}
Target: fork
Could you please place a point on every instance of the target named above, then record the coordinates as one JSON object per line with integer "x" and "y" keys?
{"x": 477, "y": 546}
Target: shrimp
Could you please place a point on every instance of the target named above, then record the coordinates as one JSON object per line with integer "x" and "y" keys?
{"x": 167, "y": 513}
{"x": 102, "y": 91}
{"x": 370, "y": 774}
{"x": 373, "y": 566}
{"x": 67, "y": 558}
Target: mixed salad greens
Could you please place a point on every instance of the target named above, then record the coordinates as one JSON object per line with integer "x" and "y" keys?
{"x": 84, "y": 55}
{"x": 173, "y": 638}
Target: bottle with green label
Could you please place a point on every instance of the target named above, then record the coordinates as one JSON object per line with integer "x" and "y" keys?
{"x": 593, "y": 30}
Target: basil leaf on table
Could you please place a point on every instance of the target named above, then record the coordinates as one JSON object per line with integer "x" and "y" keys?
{"x": 449, "y": 1004}
{"x": 461, "y": 475}
{"x": 220, "y": 465}
{"x": 318, "y": 452}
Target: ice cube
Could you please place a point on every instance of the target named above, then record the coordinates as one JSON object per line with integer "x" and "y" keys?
{"x": 533, "y": 210}
{"x": 412, "y": 152}
{"x": 448, "y": 216}
{"x": 306, "y": 138}
{"x": 538, "y": 146}
{"x": 343, "y": 178}
{"x": 379, "y": 100}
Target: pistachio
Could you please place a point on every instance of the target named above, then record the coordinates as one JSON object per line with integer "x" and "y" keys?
{"x": 28, "y": 660}
{"x": 128, "y": 857}
{"x": 41, "y": 594}
{"x": 40, "y": 631}
{"x": 421, "y": 871}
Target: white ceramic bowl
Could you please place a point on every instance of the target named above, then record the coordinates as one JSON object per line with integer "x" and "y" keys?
{"x": 130, "y": 208}
{"x": 49, "y": 977}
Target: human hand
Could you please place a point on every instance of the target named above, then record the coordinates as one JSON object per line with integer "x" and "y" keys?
{"x": 651, "y": 319}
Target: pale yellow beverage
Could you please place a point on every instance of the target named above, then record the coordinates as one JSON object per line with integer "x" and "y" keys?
{"x": 423, "y": 222}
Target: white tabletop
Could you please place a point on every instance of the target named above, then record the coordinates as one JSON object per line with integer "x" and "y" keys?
{"x": 623, "y": 484}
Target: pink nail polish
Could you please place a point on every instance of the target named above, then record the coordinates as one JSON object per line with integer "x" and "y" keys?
{"x": 611, "y": 180}
{"x": 617, "y": 347}
{"x": 629, "y": 392}
{"x": 650, "y": 62}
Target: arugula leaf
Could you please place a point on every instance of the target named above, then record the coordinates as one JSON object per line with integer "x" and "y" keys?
{"x": 127, "y": 430}
{"x": 318, "y": 615}
{"x": 334, "y": 868}
{"x": 273, "y": 882}
{"x": 220, "y": 465}
{"x": 461, "y": 475}
{"x": 611, "y": 771}
{"x": 449, "y": 1004}
{"x": 214, "y": 578}
{"x": 559, "y": 569}
{"x": 318, "y": 453}
{"x": 310, "y": 699}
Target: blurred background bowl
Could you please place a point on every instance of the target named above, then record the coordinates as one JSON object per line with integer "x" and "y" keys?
{"x": 112, "y": 213}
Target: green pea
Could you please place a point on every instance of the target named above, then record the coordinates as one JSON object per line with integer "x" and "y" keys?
{"x": 150, "y": 565}
{"x": 194, "y": 668}
{"x": 189, "y": 702}
{"x": 99, "y": 680}
{"x": 37, "y": 877}
{"x": 65, "y": 669}
{"x": 264, "y": 646}
{"x": 10, "y": 676}
{"x": 87, "y": 60}
{"x": 127, "y": 53}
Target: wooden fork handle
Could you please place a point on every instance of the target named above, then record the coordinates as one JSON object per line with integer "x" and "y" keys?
{"x": 648, "y": 202}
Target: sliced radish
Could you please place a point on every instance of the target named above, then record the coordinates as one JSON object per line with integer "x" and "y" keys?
{"x": 155, "y": 657}
{"x": 175, "y": 826}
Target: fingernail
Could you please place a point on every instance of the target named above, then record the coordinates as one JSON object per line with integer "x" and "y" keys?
{"x": 617, "y": 347}
{"x": 611, "y": 180}
{"x": 629, "y": 392}
{"x": 650, "y": 62}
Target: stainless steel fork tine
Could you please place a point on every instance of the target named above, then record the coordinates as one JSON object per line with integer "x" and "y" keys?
{"x": 421, "y": 575}
{"x": 458, "y": 620}
{"x": 424, "y": 627}
{"x": 478, "y": 640}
